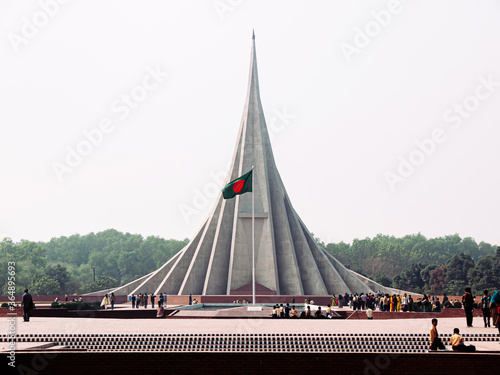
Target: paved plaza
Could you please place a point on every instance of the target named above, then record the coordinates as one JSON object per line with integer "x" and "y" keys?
{"x": 199, "y": 325}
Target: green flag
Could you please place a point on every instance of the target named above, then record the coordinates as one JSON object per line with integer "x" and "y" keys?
{"x": 241, "y": 185}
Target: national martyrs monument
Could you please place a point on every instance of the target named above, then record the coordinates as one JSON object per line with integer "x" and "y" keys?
{"x": 218, "y": 259}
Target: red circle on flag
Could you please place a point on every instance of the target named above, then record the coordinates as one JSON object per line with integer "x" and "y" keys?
{"x": 238, "y": 185}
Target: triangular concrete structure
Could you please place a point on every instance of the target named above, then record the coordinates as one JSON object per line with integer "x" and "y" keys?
{"x": 288, "y": 259}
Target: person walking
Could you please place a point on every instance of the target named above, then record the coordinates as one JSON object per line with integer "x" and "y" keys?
{"x": 27, "y": 305}
{"x": 468, "y": 303}
{"x": 485, "y": 306}
{"x": 105, "y": 301}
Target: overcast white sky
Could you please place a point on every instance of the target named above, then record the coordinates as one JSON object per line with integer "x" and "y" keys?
{"x": 341, "y": 113}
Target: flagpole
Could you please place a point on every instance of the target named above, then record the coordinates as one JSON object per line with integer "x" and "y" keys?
{"x": 253, "y": 238}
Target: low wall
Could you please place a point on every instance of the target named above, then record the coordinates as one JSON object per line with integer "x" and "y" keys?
{"x": 51, "y": 298}
{"x": 321, "y": 300}
{"x": 75, "y": 363}
{"x": 445, "y": 313}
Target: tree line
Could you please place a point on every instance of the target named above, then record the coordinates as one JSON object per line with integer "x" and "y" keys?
{"x": 413, "y": 262}
{"x": 67, "y": 264}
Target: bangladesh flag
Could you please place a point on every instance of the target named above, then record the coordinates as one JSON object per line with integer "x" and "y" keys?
{"x": 241, "y": 185}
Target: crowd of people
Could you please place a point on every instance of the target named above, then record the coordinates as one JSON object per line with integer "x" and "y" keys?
{"x": 490, "y": 306}
{"x": 386, "y": 302}
{"x": 143, "y": 299}
{"x": 286, "y": 312}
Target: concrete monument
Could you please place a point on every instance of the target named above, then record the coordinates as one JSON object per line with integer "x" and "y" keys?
{"x": 288, "y": 261}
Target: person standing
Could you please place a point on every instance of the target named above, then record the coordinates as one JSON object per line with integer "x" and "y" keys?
{"x": 112, "y": 299}
{"x": 152, "y": 300}
{"x": 468, "y": 303}
{"x": 425, "y": 303}
{"x": 386, "y": 302}
{"x": 145, "y": 300}
{"x": 494, "y": 305}
{"x": 27, "y": 305}
{"x": 274, "y": 313}
{"x": 133, "y": 300}
{"x": 287, "y": 311}
{"x": 404, "y": 303}
{"x": 363, "y": 301}
{"x": 485, "y": 306}
{"x": 436, "y": 342}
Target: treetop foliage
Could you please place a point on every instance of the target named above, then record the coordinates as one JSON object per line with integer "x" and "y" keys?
{"x": 67, "y": 264}
{"x": 413, "y": 262}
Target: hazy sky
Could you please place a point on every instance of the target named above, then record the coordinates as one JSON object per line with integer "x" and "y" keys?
{"x": 124, "y": 114}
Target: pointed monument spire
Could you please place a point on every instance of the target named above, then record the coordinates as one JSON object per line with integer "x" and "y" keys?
{"x": 218, "y": 260}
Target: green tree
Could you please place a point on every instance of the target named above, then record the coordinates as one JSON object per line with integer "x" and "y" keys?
{"x": 437, "y": 280}
{"x": 456, "y": 276}
{"x": 103, "y": 282}
{"x": 484, "y": 275}
{"x": 45, "y": 285}
{"x": 59, "y": 273}
{"x": 410, "y": 279}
